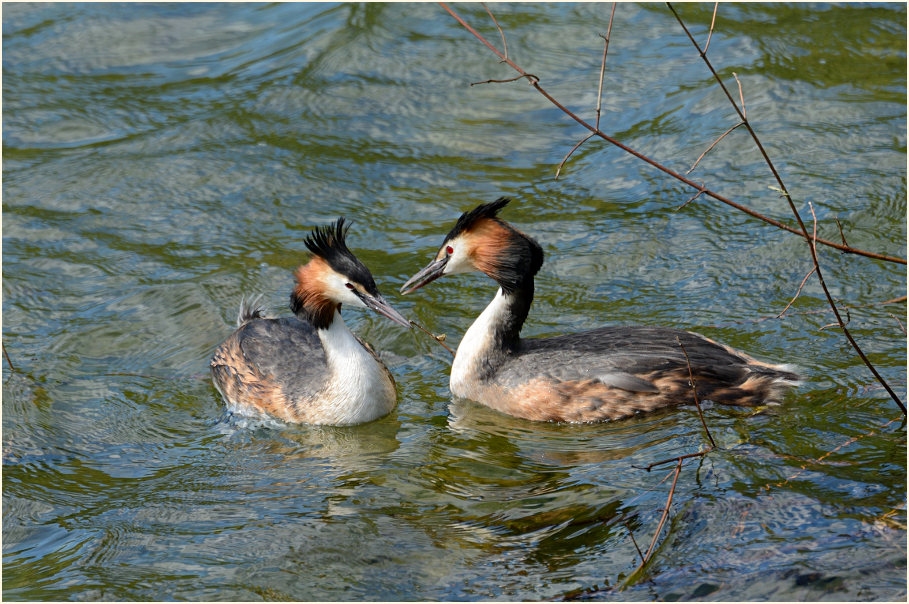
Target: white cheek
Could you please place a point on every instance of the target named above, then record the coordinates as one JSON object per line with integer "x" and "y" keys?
{"x": 459, "y": 261}
{"x": 337, "y": 289}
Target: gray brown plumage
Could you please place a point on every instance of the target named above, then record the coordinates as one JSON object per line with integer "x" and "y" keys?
{"x": 603, "y": 374}
{"x": 309, "y": 368}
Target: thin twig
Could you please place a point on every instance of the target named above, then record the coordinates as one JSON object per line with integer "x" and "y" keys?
{"x": 797, "y": 293}
{"x": 741, "y": 96}
{"x": 671, "y": 459}
{"x": 498, "y": 27}
{"x": 811, "y": 272}
{"x": 840, "y": 227}
{"x": 139, "y": 375}
{"x": 535, "y": 82}
{"x": 438, "y": 338}
{"x": 646, "y": 557}
{"x": 659, "y": 528}
{"x": 804, "y": 231}
{"x": 892, "y": 301}
{"x": 573, "y": 149}
{"x": 694, "y": 391}
{"x": 525, "y": 75}
{"x": 603, "y": 65}
{"x": 822, "y": 310}
{"x": 712, "y": 23}
{"x": 636, "y": 546}
{"x": 839, "y": 324}
{"x": 804, "y": 467}
{"x": 692, "y": 198}
{"x": 599, "y": 95}
{"x": 814, "y": 229}
{"x": 695, "y": 165}
{"x": 898, "y": 322}
{"x": 6, "y": 356}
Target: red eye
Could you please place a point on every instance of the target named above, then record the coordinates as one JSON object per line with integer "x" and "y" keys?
{"x": 449, "y": 250}
{"x": 348, "y": 286}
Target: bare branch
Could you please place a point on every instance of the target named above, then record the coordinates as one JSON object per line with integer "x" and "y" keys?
{"x": 891, "y": 301}
{"x": 898, "y": 322}
{"x": 529, "y": 76}
{"x": 501, "y": 33}
{"x": 811, "y": 272}
{"x": 712, "y": 23}
{"x": 804, "y": 467}
{"x": 603, "y": 67}
{"x": 633, "y": 540}
{"x": 672, "y": 459}
{"x": 573, "y": 149}
{"x": 6, "y": 356}
{"x": 840, "y": 227}
{"x": 804, "y": 231}
{"x": 826, "y": 310}
{"x": 656, "y": 534}
{"x": 692, "y": 198}
{"x": 599, "y": 95}
{"x": 694, "y": 391}
{"x": 723, "y": 135}
{"x": 799, "y": 291}
{"x": 535, "y": 82}
{"x": 741, "y": 96}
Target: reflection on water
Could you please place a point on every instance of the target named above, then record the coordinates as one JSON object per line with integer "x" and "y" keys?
{"x": 162, "y": 161}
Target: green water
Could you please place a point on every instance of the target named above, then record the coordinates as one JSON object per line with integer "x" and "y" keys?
{"x": 161, "y": 161}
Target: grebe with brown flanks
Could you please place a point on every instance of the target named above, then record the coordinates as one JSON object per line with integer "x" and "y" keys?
{"x": 310, "y": 368}
{"x": 608, "y": 373}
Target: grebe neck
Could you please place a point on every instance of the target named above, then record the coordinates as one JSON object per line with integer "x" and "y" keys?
{"x": 359, "y": 388}
{"x": 492, "y": 337}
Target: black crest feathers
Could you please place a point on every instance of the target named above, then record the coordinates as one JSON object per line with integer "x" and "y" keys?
{"x": 517, "y": 257}
{"x": 486, "y": 210}
{"x": 328, "y": 241}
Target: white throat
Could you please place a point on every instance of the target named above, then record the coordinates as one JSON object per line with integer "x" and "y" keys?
{"x": 475, "y": 346}
{"x": 359, "y": 388}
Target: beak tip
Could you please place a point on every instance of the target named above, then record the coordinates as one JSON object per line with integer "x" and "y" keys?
{"x": 379, "y": 305}
{"x": 427, "y": 275}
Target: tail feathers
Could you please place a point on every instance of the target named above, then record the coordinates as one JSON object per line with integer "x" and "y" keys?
{"x": 249, "y": 310}
{"x": 785, "y": 374}
{"x": 763, "y": 384}
{"x": 778, "y": 380}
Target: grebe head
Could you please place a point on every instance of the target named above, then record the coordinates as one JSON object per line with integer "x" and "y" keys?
{"x": 334, "y": 276}
{"x": 480, "y": 241}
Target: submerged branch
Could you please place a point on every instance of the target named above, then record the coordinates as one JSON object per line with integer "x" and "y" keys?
{"x": 656, "y": 535}
{"x": 804, "y": 467}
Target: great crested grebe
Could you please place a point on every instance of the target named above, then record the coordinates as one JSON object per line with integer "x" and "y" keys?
{"x": 604, "y": 374}
{"x": 310, "y": 368}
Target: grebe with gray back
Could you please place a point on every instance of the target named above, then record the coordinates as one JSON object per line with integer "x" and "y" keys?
{"x": 608, "y": 373}
{"x": 310, "y": 368}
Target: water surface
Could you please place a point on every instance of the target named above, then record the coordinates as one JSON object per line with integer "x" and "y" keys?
{"x": 161, "y": 161}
